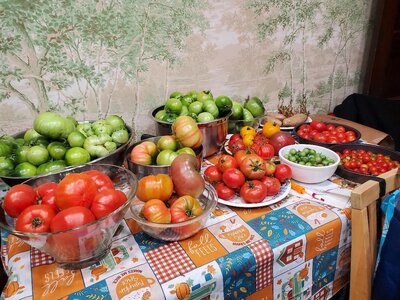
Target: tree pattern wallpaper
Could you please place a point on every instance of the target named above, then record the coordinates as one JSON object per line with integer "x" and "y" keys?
{"x": 90, "y": 58}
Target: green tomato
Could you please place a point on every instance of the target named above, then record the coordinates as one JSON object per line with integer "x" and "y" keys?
{"x": 166, "y": 157}
{"x": 187, "y": 100}
{"x": 247, "y": 116}
{"x": 196, "y": 107}
{"x": 110, "y": 146}
{"x": 169, "y": 117}
{"x": 186, "y": 150}
{"x": 85, "y": 129}
{"x": 77, "y": 156}
{"x": 204, "y": 96}
{"x": 31, "y": 134}
{"x": 25, "y": 169}
{"x": 6, "y": 164}
{"x": 176, "y": 95}
{"x": 193, "y": 116}
{"x": 51, "y": 166}
{"x": 116, "y": 122}
{"x": 19, "y": 141}
{"x": 37, "y": 155}
{"x": 21, "y": 154}
{"x": 211, "y": 107}
{"x": 76, "y": 139}
{"x": 40, "y": 141}
{"x": 57, "y": 150}
{"x": 167, "y": 142}
{"x": 102, "y": 129}
{"x": 173, "y": 105}
{"x": 224, "y": 104}
{"x": 204, "y": 117}
{"x": 184, "y": 111}
{"x": 232, "y": 127}
{"x": 53, "y": 125}
{"x": 192, "y": 94}
{"x": 237, "y": 111}
{"x": 160, "y": 114}
{"x": 255, "y": 106}
{"x": 120, "y": 136}
{"x": 5, "y": 149}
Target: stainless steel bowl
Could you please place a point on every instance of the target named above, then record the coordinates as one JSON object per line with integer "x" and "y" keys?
{"x": 144, "y": 170}
{"x": 116, "y": 157}
{"x": 214, "y": 132}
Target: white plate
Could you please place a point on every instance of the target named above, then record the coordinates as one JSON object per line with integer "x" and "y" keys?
{"x": 309, "y": 120}
{"x": 237, "y": 201}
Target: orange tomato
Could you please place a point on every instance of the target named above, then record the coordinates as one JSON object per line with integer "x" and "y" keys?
{"x": 270, "y": 129}
{"x": 247, "y": 130}
{"x": 158, "y": 186}
{"x": 248, "y": 139}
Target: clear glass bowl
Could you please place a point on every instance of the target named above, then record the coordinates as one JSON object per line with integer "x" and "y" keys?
{"x": 85, "y": 245}
{"x": 234, "y": 126}
{"x": 177, "y": 231}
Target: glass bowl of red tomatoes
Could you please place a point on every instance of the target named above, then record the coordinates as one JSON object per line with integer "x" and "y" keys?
{"x": 326, "y": 134}
{"x": 362, "y": 162}
{"x": 181, "y": 230}
{"x": 80, "y": 210}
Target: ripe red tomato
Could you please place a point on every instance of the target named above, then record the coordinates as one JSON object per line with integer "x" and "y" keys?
{"x": 106, "y": 201}
{"x": 224, "y": 192}
{"x": 319, "y": 137}
{"x": 75, "y": 190}
{"x": 185, "y": 208}
{"x": 266, "y": 151}
{"x": 240, "y": 155}
{"x": 71, "y": 217}
{"x": 156, "y": 211}
{"x": 305, "y": 128}
{"x": 35, "y": 218}
{"x": 45, "y": 189}
{"x": 236, "y": 146}
{"x": 330, "y": 127}
{"x": 273, "y": 185}
{"x": 226, "y": 161}
{"x": 213, "y": 174}
{"x": 340, "y": 128}
{"x": 50, "y": 199}
{"x": 253, "y": 191}
{"x": 233, "y": 178}
{"x": 102, "y": 180}
{"x": 319, "y": 126}
{"x": 260, "y": 139}
{"x": 253, "y": 166}
{"x": 18, "y": 198}
{"x": 270, "y": 168}
{"x": 234, "y": 137}
{"x": 283, "y": 172}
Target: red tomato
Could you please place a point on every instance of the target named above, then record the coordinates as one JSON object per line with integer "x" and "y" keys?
{"x": 45, "y": 189}
{"x": 102, "y": 180}
{"x": 234, "y": 137}
{"x": 270, "y": 168}
{"x": 213, "y": 174}
{"x": 18, "y": 198}
{"x": 156, "y": 211}
{"x": 319, "y": 126}
{"x": 266, "y": 151}
{"x": 185, "y": 208}
{"x": 224, "y": 192}
{"x": 226, "y": 162}
{"x": 253, "y": 166}
{"x": 75, "y": 190}
{"x": 351, "y": 138}
{"x": 106, "y": 201}
{"x": 305, "y": 128}
{"x": 319, "y": 137}
{"x": 236, "y": 146}
{"x": 340, "y": 128}
{"x": 71, "y": 217}
{"x": 260, "y": 139}
{"x": 330, "y": 127}
{"x": 273, "y": 185}
{"x": 253, "y": 191}
{"x": 233, "y": 178}
{"x": 35, "y": 218}
{"x": 283, "y": 172}
{"x": 50, "y": 200}
{"x": 240, "y": 155}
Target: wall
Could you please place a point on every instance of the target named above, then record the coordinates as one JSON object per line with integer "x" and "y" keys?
{"x": 95, "y": 57}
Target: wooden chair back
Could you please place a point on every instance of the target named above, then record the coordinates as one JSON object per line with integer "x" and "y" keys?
{"x": 364, "y": 233}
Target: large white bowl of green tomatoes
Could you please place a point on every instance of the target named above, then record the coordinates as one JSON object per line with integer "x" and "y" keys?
{"x": 309, "y": 163}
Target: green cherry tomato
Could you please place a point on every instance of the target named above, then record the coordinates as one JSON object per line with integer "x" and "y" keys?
{"x": 224, "y": 104}
{"x": 57, "y": 150}
{"x": 76, "y": 139}
{"x": 25, "y": 169}
{"x": 173, "y": 105}
{"x": 37, "y": 155}
{"x": 77, "y": 156}
{"x": 169, "y": 117}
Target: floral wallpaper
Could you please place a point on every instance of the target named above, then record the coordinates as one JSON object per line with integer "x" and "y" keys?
{"x": 90, "y": 58}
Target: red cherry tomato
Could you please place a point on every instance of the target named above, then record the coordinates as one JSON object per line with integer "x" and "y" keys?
{"x": 319, "y": 126}
{"x": 340, "y": 128}
{"x": 106, "y": 201}
{"x": 224, "y": 192}
{"x": 273, "y": 185}
{"x": 213, "y": 174}
{"x": 35, "y": 218}
{"x": 71, "y": 217}
{"x": 75, "y": 190}
{"x": 18, "y": 198}
{"x": 102, "y": 180}
{"x": 283, "y": 172}
{"x": 233, "y": 178}
{"x": 253, "y": 191}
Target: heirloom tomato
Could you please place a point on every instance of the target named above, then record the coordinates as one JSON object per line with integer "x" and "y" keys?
{"x": 143, "y": 153}
{"x": 185, "y": 208}
{"x": 233, "y": 178}
{"x": 234, "y": 137}
{"x": 71, "y": 218}
{"x": 35, "y": 218}
{"x": 270, "y": 128}
{"x": 226, "y": 161}
{"x": 253, "y": 191}
{"x": 187, "y": 132}
{"x": 156, "y": 211}
{"x": 106, "y": 201}
{"x": 253, "y": 166}
{"x": 273, "y": 185}
{"x": 247, "y": 130}
{"x": 265, "y": 151}
{"x": 18, "y": 198}
{"x": 237, "y": 146}
{"x": 158, "y": 186}
{"x": 240, "y": 155}
{"x": 102, "y": 180}
{"x": 213, "y": 174}
{"x": 75, "y": 190}
{"x": 224, "y": 192}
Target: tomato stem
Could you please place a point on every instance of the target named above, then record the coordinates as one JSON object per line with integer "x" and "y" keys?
{"x": 36, "y": 222}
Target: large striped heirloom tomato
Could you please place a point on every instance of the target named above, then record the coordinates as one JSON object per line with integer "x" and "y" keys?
{"x": 158, "y": 186}
{"x": 187, "y": 132}
{"x": 143, "y": 153}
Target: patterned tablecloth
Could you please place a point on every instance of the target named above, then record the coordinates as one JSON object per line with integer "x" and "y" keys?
{"x": 296, "y": 249}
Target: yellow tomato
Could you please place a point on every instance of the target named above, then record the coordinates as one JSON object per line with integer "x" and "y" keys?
{"x": 247, "y": 130}
{"x": 270, "y": 129}
{"x": 248, "y": 139}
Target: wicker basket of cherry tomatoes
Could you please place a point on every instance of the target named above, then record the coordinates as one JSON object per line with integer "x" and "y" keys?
{"x": 326, "y": 134}
{"x": 362, "y": 162}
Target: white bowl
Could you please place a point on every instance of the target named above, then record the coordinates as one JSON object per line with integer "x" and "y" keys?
{"x": 310, "y": 174}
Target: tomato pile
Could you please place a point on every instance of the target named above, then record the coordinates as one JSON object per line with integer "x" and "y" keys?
{"x": 78, "y": 199}
{"x": 247, "y": 174}
{"x": 326, "y": 133}
{"x": 366, "y": 162}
